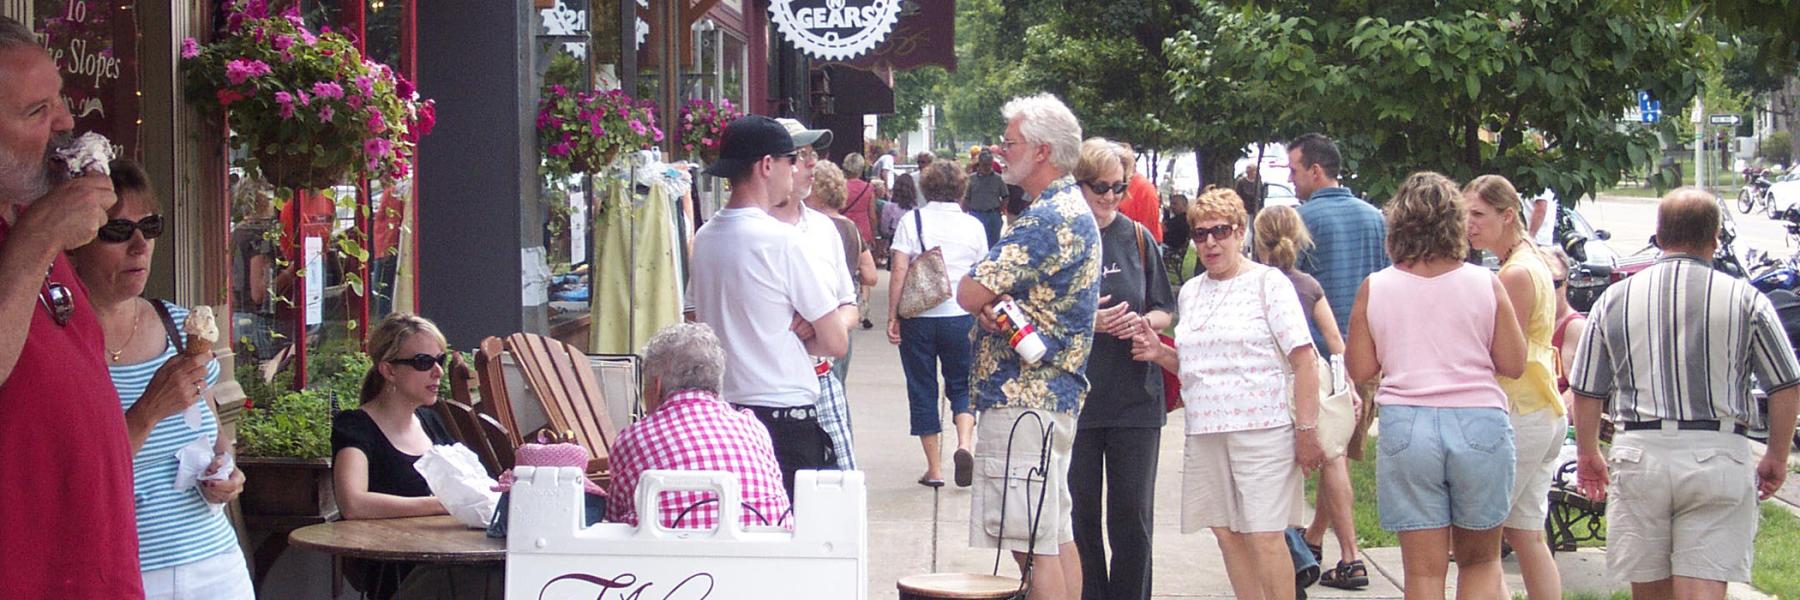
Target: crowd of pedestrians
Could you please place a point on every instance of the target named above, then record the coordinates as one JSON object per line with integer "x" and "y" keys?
{"x": 1062, "y": 341}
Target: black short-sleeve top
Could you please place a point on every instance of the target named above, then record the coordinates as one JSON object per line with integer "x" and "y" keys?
{"x": 390, "y": 470}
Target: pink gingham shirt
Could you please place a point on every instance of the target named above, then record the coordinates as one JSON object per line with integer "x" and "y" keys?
{"x": 695, "y": 431}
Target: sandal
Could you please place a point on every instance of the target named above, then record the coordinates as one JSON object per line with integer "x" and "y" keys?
{"x": 930, "y": 483}
{"x": 965, "y": 468}
{"x": 1351, "y": 575}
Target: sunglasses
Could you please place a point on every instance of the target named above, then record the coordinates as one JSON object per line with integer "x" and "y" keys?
{"x": 791, "y": 157}
{"x": 1100, "y": 188}
{"x": 1217, "y": 231}
{"x": 422, "y": 362}
{"x": 119, "y": 230}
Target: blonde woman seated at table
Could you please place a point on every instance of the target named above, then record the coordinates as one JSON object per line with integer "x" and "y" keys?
{"x": 374, "y": 447}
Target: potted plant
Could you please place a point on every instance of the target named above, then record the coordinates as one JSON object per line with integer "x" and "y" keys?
{"x": 284, "y": 439}
{"x": 585, "y": 131}
{"x": 703, "y": 127}
{"x": 311, "y": 109}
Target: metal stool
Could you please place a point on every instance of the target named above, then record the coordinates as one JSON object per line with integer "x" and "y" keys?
{"x": 958, "y": 586}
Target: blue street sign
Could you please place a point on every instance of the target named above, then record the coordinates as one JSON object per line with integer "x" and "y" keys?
{"x": 1649, "y": 110}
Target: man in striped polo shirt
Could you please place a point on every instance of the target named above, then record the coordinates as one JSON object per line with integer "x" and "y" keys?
{"x": 1670, "y": 353}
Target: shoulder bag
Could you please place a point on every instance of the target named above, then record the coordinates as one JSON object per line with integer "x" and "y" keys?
{"x": 927, "y": 283}
{"x": 1171, "y": 381}
{"x": 1337, "y": 398}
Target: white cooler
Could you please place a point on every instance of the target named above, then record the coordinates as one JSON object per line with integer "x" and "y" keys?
{"x": 550, "y": 555}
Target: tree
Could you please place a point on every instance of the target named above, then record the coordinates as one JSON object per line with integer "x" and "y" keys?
{"x": 1530, "y": 89}
{"x": 912, "y": 93}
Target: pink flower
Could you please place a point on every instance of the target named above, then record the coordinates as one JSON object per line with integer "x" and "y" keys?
{"x": 355, "y": 102}
{"x": 365, "y": 84}
{"x": 637, "y": 127}
{"x": 403, "y": 88}
{"x": 709, "y": 142}
{"x": 375, "y": 151}
{"x": 240, "y": 70}
{"x": 377, "y": 124}
{"x": 327, "y": 89}
{"x": 657, "y": 131}
{"x": 190, "y": 48}
{"x": 325, "y": 113}
{"x": 308, "y": 37}
{"x": 286, "y": 101}
{"x": 427, "y": 119}
{"x": 305, "y": 100}
{"x": 560, "y": 149}
{"x": 283, "y": 42}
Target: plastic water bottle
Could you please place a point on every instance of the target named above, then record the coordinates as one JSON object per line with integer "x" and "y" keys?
{"x": 1021, "y": 334}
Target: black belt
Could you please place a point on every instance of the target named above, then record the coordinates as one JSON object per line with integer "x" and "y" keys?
{"x": 1737, "y": 428}
{"x": 770, "y": 413}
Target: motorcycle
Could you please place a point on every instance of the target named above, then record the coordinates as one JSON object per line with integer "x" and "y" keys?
{"x": 1756, "y": 191}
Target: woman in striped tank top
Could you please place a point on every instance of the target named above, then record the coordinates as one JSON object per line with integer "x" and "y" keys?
{"x": 186, "y": 547}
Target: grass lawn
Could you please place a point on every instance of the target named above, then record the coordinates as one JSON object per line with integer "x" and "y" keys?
{"x": 1777, "y": 569}
{"x": 1369, "y": 533}
{"x": 1722, "y": 183}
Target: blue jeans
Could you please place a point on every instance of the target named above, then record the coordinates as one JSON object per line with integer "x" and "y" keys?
{"x": 928, "y": 344}
{"x": 990, "y": 221}
{"x": 1443, "y": 466}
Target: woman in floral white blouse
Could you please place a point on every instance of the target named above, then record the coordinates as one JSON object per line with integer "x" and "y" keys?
{"x": 1251, "y": 425}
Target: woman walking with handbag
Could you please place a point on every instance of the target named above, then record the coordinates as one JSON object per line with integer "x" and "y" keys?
{"x": 932, "y": 330}
{"x": 1119, "y": 433}
{"x": 1251, "y": 426}
{"x": 1280, "y": 237}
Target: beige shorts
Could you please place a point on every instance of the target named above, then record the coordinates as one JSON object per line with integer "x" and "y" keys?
{"x": 1014, "y": 489}
{"x": 1245, "y": 481}
{"x": 1682, "y": 503}
{"x": 1537, "y": 441}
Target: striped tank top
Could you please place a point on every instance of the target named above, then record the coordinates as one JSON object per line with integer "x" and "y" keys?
{"x": 175, "y": 527}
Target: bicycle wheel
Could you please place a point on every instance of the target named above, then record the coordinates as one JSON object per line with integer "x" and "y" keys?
{"x": 1746, "y": 202}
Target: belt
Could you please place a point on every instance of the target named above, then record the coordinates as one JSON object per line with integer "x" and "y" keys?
{"x": 769, "y": 413}
{"x": 821, "y": 366}
{"x": 1673, "y": 425}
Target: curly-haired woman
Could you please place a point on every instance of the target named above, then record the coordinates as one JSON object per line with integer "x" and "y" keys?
{"x": 1438, "y": 331}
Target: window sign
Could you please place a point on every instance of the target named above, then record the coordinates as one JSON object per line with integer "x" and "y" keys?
{"x": 95, "y": 44}
{"x": 835, "y": 29}
{"x": 314, "y": 251}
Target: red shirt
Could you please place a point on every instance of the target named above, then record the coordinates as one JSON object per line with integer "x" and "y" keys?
{"x": 67, "y": 523}
{"x": 1142, "y": 205}
{"x": 695, "y": 431}
{"x": 858, "y": 197}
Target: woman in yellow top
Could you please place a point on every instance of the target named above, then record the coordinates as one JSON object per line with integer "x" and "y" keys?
{"x": 1497, "y": 225}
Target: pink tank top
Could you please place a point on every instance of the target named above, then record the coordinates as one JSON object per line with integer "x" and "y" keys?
{"x": 1433, "y": 337}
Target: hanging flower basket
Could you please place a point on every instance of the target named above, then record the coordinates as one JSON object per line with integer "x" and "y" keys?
{"x": 703, "y": 127}
{"x": 585, "y": 131}
{"x": 313, "y": 110}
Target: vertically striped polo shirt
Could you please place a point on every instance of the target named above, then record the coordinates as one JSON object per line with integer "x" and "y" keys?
{"x": 175, "y": 527}
{"x": 1680, "y": 341}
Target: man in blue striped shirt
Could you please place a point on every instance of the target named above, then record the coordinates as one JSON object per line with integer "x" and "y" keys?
{"x": 1349, "y": 242}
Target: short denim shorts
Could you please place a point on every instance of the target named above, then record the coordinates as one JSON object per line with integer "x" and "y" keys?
{"x": 1438, "y": 467}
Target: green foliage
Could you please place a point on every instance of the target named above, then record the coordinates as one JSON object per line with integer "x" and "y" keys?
{"x": 1530, "y": 89}
{"x": 283, "y": 422}
{"x": 1777, "y": 567}
{"x": 1778, "y": 148}
{"x": 914, "y": 89}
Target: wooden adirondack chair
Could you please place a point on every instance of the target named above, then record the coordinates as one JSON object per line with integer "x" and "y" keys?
{"x": 483, "y": 434}
{"x": 565, "y": 385}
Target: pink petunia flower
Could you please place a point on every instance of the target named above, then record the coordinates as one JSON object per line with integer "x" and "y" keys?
{"x": 325, "y": 113}
{"x": 286, "y": 102}
{"x": 327, "y": 89}
{"x": 190, "y": 48}
{"x": 283, "y": 42}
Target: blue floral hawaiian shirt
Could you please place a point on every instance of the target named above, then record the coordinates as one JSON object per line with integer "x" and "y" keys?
{"x": 1049, "y": 262}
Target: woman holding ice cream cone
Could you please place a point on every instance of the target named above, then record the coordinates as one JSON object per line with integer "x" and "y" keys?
{"x": 162, "y": 368}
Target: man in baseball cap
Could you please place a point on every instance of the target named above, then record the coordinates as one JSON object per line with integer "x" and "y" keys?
{"x": 752, "y": 282}
{"x": 818, "y": 139}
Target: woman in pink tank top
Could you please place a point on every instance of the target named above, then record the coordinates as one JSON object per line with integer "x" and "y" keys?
{"x": 1437, "y": 331}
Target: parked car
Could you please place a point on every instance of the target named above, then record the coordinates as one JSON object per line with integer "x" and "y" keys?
{"x": 1784, "y": 194}
{"x": 1278, "y": 194}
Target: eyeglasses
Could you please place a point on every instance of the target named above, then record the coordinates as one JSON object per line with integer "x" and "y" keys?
{"x": 1217, "y": 231}
{"x": 58, "y": 301}
{"x": 422, "y": 362}
{"x": 1006, "y": 145}
{"x": 119, "y": 230}
{"x": 1101, "y": 187}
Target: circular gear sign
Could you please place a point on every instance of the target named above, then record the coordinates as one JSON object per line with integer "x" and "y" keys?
{"x": 835, "y": 29}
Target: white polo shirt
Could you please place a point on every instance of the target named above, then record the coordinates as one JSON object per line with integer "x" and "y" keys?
{"x": 750, "y": 276}
{"x": 962, "y": 238}
{"x": 825, "y": 248}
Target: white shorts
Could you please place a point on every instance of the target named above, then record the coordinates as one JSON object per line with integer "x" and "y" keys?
{"x": 1011, "y": 489}
{"x": 1537, "y": 441}
{"x": 1681, "y": 503}
{"x": 221, "y": 576}
{"x": 1245, "y": 481}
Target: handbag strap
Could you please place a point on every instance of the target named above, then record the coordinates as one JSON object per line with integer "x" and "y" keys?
{"x": 176, "y": 339}
{"x": 919, "y": 223}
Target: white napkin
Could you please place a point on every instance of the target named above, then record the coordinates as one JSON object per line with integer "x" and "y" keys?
{"x": 460, "y": 483}
{"x": 193, "y": 459}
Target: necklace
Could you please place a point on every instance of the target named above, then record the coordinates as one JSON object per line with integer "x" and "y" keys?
{"x": 137, "y": 319}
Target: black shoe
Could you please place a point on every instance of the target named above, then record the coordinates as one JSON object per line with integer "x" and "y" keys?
{"x": 867, "y": 325}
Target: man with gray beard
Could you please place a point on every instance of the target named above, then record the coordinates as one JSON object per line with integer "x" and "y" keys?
{"x": 66, "y": 512}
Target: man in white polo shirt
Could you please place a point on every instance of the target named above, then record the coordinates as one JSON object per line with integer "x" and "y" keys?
{"x": 751, "y": 281}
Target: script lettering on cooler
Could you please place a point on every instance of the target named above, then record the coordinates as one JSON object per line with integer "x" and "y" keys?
{"x": 835, "y": 29}
{"x": 698, "y": 586}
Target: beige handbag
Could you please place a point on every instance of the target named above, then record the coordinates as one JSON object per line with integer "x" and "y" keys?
{"x": 1337, "y": 398}
{"x": 927, "y": 284}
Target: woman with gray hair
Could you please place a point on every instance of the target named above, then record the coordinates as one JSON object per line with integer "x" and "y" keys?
{"x": 689, "y": 428}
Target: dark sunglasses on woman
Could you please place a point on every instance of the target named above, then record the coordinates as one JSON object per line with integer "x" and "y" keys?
{"x": 1217, "y": 231}
{"x": 119, "y": 230}
{"x": 1102, "y": 188}
{"x": 422, "y": 362}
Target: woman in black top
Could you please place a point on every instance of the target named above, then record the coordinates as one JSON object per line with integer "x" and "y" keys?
{"x": 374, "y": 447}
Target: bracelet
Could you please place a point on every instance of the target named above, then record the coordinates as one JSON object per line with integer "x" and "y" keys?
{"x": 1312, "y": 427}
